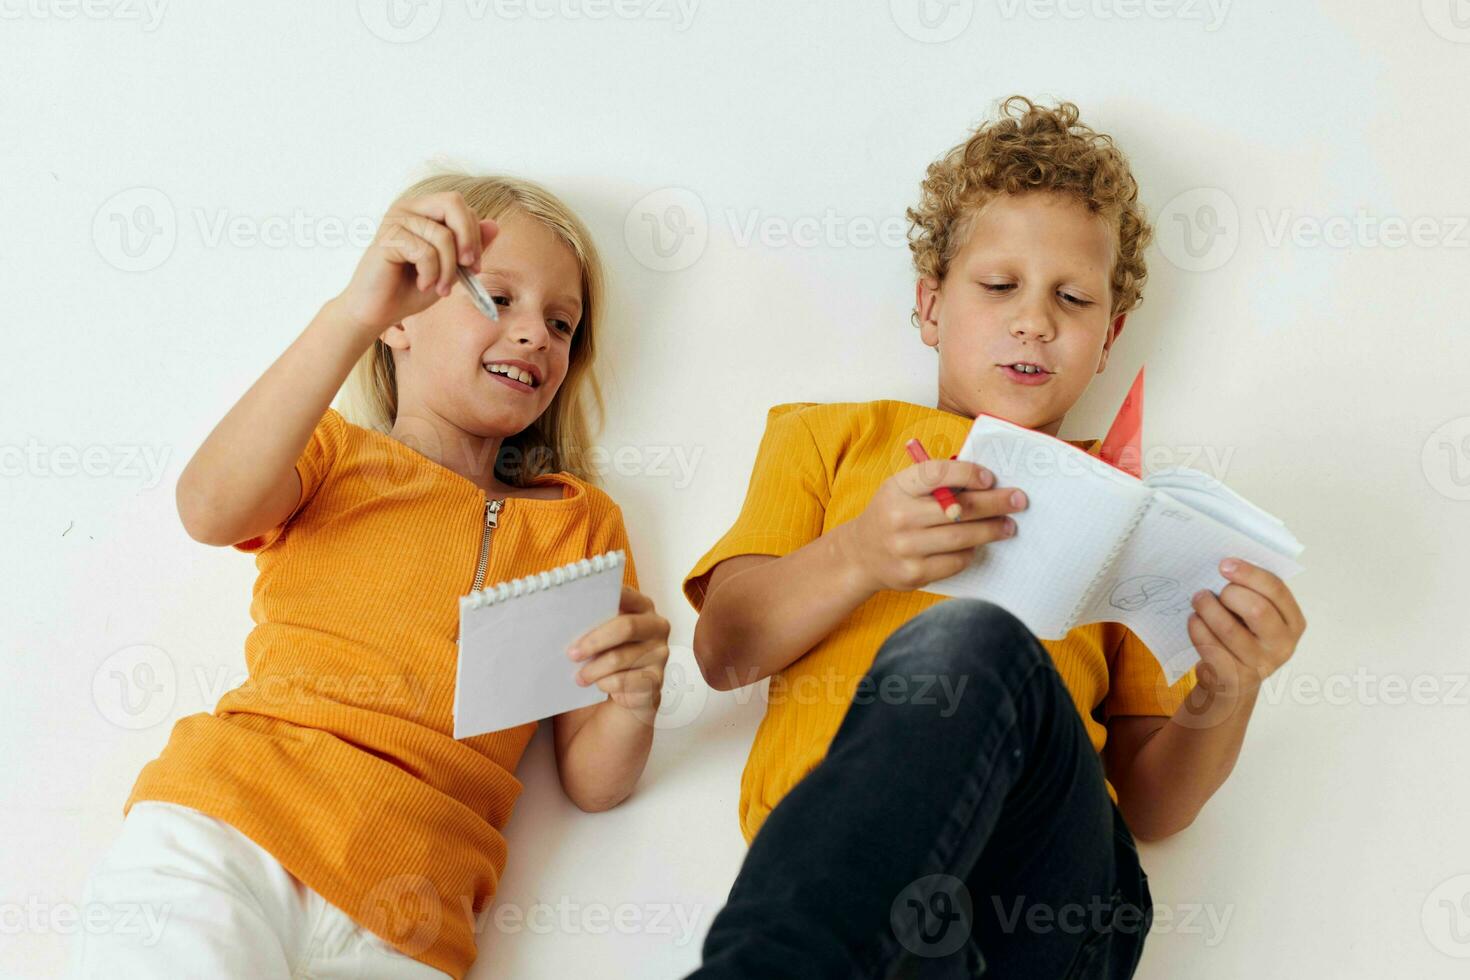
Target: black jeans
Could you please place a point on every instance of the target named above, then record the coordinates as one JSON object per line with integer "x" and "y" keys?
{"x": 958, "y": 827}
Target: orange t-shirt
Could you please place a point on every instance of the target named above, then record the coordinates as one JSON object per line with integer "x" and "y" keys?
{"x": 337, "y": 755}
{"x": 819, "y": 466}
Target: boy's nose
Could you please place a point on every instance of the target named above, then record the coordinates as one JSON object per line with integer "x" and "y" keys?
{"x": 1036, "y": 326}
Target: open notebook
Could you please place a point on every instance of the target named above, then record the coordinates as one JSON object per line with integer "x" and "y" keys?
{"x": 513, "y": 639}
{"x": 1095, "y": 543}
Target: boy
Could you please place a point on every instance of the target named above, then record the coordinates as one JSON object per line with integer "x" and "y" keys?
{"x": 934, "y": 791}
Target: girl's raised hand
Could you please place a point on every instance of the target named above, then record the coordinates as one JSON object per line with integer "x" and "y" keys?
{"x": 625, "y": 656}
{"x": 411, "y": 261}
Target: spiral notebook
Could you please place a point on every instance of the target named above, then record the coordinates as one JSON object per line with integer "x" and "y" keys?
{"x": 513, "y": 636}
{"x": 1095, "y": 543}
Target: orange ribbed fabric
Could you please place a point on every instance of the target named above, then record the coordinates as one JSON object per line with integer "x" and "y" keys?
{"x": 336, "y": 754}
{"x": 819, "y": 466}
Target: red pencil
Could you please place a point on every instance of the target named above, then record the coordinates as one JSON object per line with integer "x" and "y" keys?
{"x": 942, "y": 494}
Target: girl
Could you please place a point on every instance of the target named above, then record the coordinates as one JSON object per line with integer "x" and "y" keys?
{"x": 322, "y": 821}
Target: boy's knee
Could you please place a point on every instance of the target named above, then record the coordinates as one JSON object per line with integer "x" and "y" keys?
{"x": 960, "y": 635}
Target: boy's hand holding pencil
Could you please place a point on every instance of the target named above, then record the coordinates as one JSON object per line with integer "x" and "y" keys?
{"x": 909, "y": 536}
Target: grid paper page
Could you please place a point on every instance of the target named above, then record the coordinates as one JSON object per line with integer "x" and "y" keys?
{"x": 1173, "y": 553}
{"x": 1077, "y": 509}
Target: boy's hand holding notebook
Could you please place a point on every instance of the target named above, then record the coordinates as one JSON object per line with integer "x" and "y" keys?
{"x": 1096, "y": 543}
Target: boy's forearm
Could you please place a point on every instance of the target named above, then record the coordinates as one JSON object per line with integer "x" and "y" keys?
{"x": 763, "y": 618}
{"x": 1180, "y": 766}
{"x": 606, "y": 756}
{"x": 263, "y": 434}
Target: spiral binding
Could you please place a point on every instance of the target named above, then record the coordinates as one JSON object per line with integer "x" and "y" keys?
{"x": 550, "y": 578}
{"x": 1112, "y": 556}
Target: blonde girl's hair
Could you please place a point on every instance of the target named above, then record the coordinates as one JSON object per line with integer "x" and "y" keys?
{"x": 560, "y": 438}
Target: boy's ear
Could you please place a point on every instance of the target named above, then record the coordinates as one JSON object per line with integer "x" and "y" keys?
{"x": 926, "y": 310}
{"x": 1115, "y": 328}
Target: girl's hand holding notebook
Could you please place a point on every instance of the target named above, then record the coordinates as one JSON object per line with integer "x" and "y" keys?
{"x": 567, "y": 638}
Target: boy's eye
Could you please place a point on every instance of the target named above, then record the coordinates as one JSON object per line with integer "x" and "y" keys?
{"x": 501, "y": 300}
{"x": 994, "y": 287}
{"x": 1076, "y": 300}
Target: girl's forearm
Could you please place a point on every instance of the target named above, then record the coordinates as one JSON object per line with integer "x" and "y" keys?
{"x": 237, "y": 473}
{"x": 605, "y": 758}
{"x": 1180, "y": 766}
{"x": 762, "y": 618}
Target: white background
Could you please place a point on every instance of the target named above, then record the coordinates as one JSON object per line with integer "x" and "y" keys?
{"x": 1328, "y": 378}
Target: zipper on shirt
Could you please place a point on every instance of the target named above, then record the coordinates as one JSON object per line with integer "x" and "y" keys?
{"x": 492, "y": 521}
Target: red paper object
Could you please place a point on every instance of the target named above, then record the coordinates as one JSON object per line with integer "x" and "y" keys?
{"x": 1123, "y": 447}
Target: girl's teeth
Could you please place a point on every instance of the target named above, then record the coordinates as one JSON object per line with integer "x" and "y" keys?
{"x": 524, "y": 377}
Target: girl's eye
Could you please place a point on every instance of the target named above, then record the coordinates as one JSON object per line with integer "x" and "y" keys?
{"x": 563, "y": 326}
{"x": 501, "y": 300}
{"x": 993, "y": 287}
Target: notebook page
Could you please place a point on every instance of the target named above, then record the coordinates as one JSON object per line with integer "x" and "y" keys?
{"x": 513, "y": 667}
{"x": 1077, "y": 509}
{"x": 1209, "y": 495}
{"x": 1173, "y": 553}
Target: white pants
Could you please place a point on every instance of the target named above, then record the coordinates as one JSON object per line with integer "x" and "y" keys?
{"x": 190, "y": 896}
